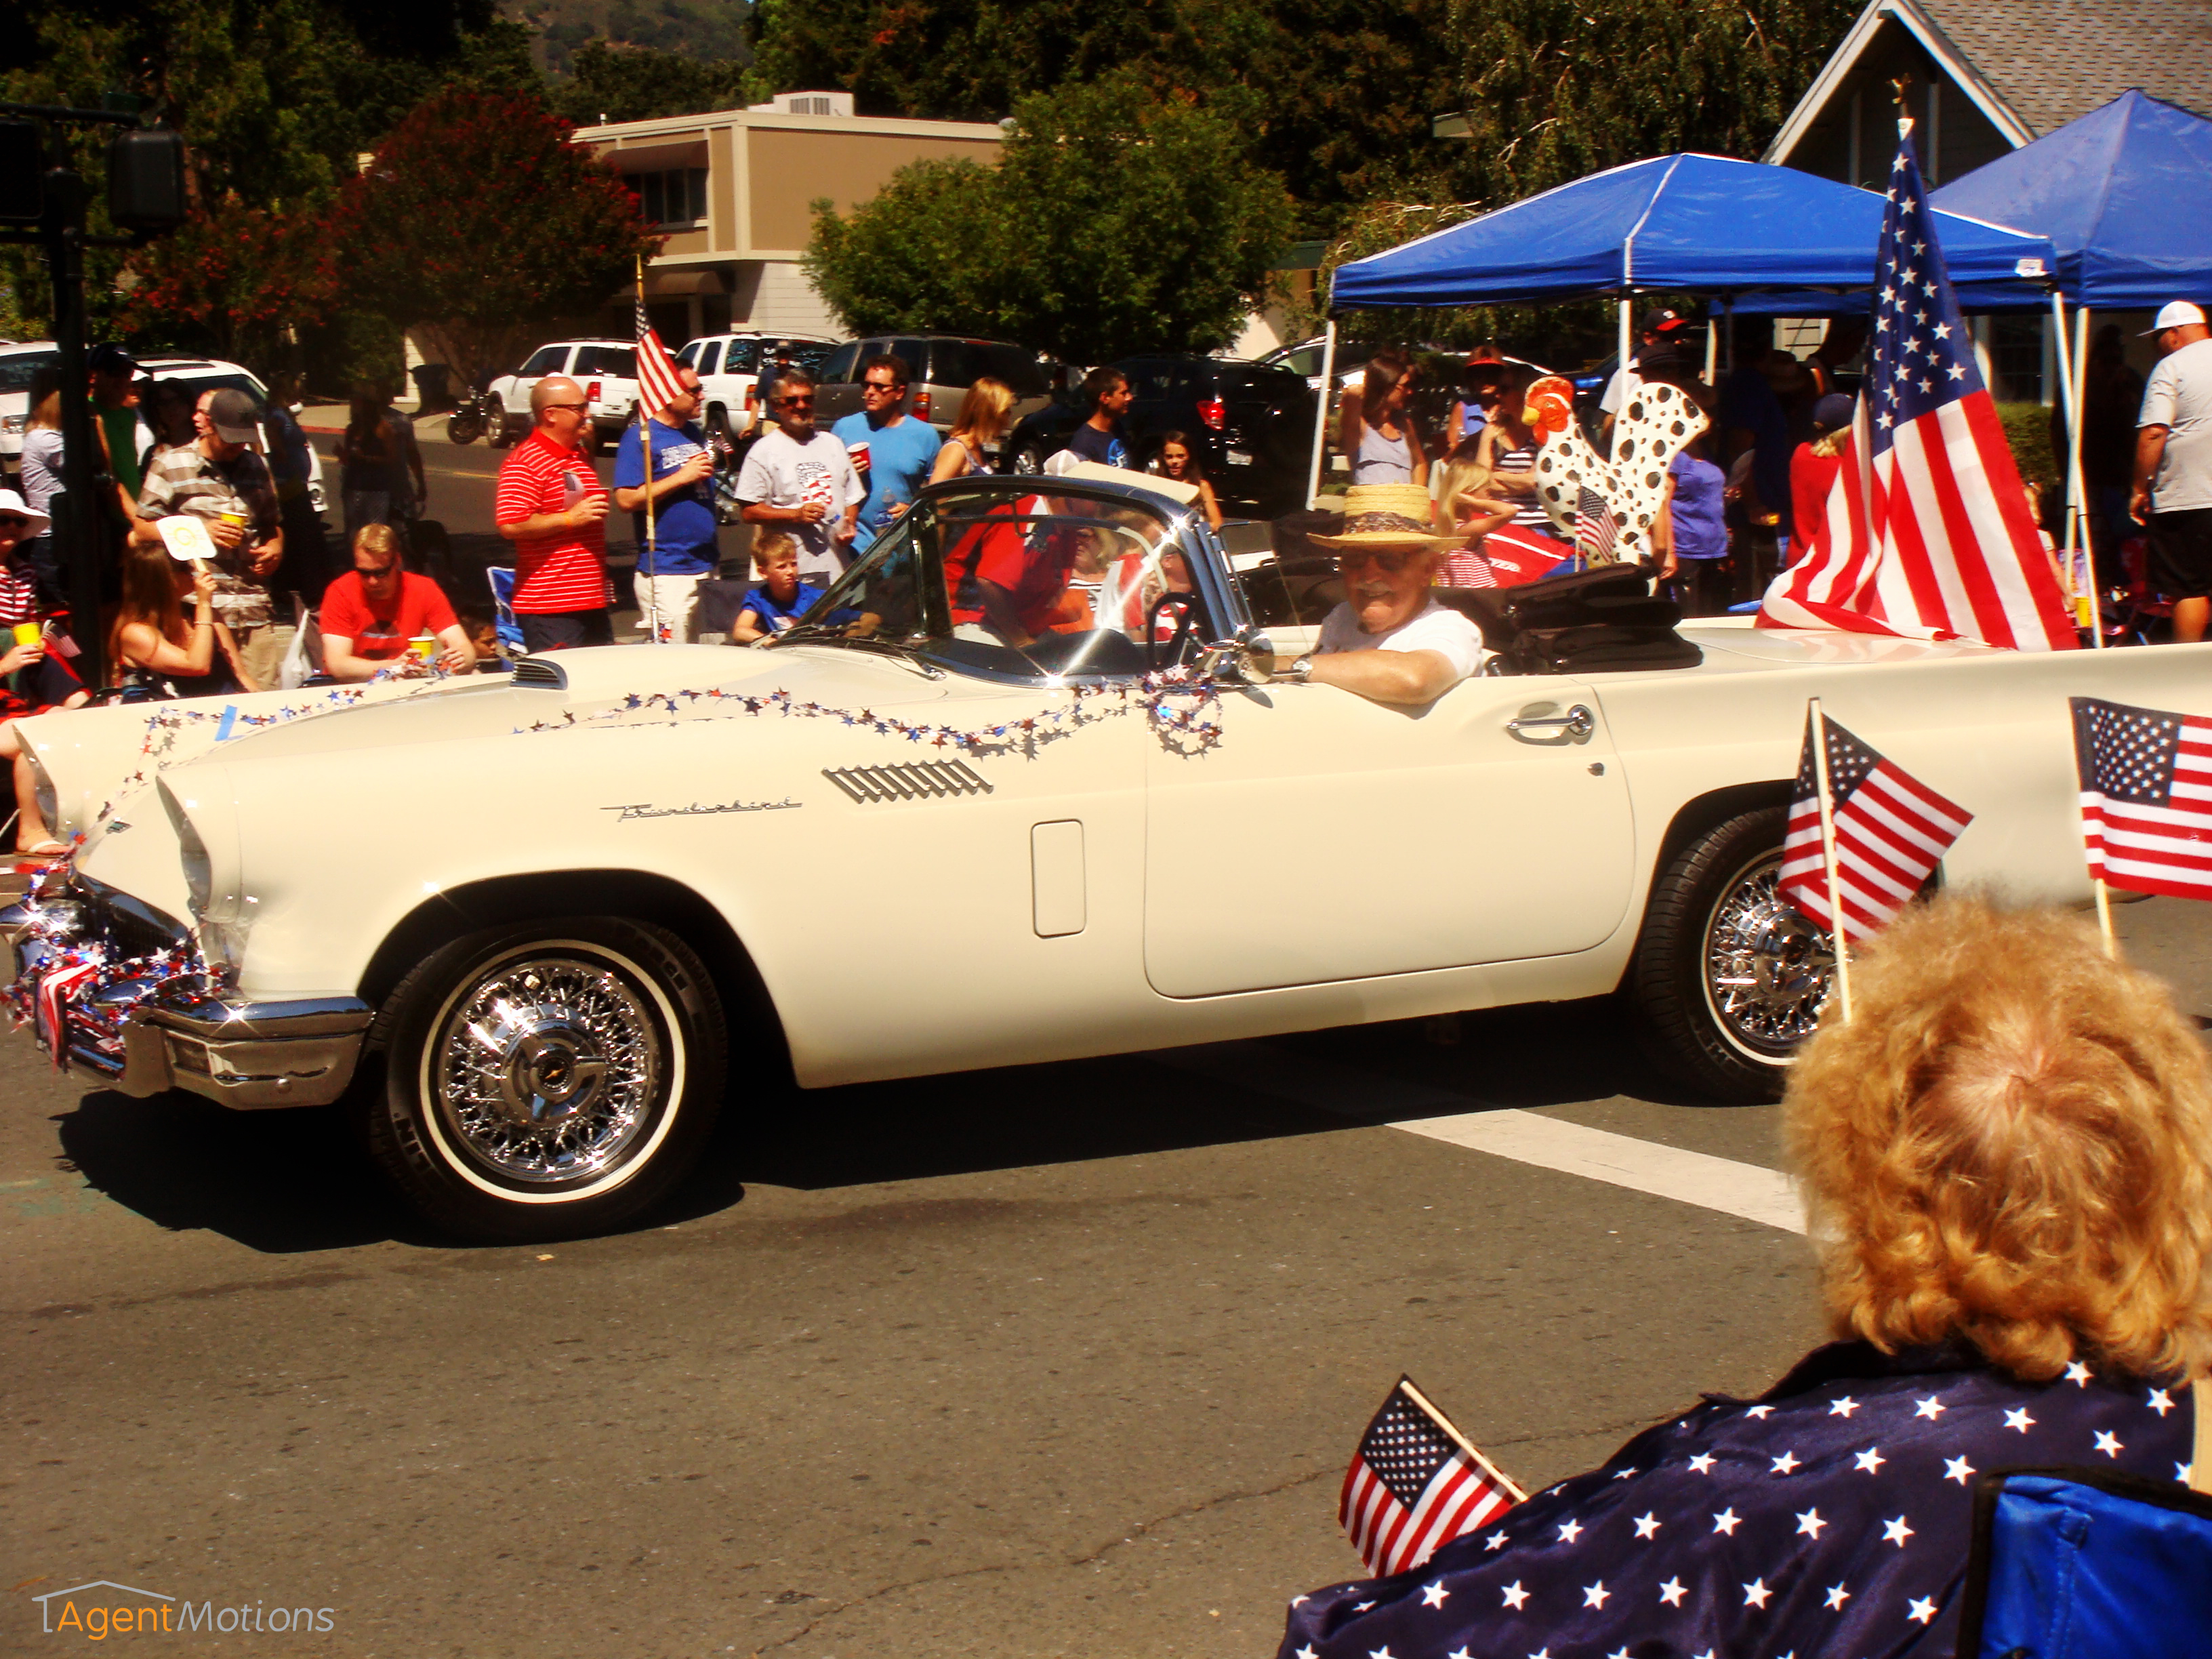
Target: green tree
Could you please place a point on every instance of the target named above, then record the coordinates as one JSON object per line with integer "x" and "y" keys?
{"x": 479, "y": 224}
{"x": 230, "y": 281}
{"x": 1114, "y": 223}
{"x": 637, "y": 83}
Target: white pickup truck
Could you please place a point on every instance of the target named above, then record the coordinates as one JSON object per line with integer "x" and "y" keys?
{"x": 1022, "y": 852}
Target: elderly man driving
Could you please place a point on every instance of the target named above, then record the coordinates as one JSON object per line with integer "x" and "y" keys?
{"x": 1390, "y": 640}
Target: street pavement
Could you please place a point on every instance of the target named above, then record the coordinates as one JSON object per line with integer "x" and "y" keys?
{"x": 1053, "y": 1360}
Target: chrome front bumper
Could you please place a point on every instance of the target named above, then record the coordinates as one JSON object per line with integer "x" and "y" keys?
{"x": 245, "y": 1056}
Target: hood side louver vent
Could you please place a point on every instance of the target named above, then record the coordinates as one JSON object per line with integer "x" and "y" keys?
{"x": 538, "y": 672}
{"x": 919, "y": 782}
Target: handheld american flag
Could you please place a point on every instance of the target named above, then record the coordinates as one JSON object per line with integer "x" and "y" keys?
{"x": 2146, "y": 796}
{"x": 1595, "y": 528}
{"x": 1414, "y": 1486}
{"x": 1891, "y": 832}
{"x": 658, "y": 384}
{"x": 1928, "y": 532}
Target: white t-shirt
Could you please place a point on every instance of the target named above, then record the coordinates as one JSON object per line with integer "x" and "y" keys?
{"x": 2178, "y": 397}
{"x": 781, "y": 473}
{"x": 1434, "y": 627}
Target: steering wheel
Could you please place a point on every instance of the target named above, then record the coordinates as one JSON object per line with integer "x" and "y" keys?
{"x": 1186, "y": 628}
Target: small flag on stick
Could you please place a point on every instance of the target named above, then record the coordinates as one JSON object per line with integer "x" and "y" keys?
{"x": 1595, "y": 528}
{"x": 1415, "y": 1484}
{"x": 2146, "y": 797}
{"x": 1891, "y": 832}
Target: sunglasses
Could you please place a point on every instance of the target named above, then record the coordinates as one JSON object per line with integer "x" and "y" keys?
{"x": 580, "y": 408}
{"x": 880, "y": 386}
{"x": 794, "y": 403}
{"x": 1391, "y": 561}
{"x": 368, "y": 575}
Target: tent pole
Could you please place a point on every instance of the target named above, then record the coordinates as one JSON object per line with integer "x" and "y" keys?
{"x": 2070, "y": 536}
{"x": 1626, "y": 368}
{"x": 1321, "y": 413}
{"x": 1712, "y": 346}
{"x": 2074, "y": 483}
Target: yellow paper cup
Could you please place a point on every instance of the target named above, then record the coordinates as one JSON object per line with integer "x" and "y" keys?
{"x": 27, "y": 633}
{"x": 238, "y": 518}
{"x": 424, "y": 647}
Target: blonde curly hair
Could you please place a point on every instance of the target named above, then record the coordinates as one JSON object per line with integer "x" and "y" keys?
{"x": 2011, "y": 1142}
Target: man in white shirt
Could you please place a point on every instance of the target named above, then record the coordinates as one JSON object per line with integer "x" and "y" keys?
{"x": 802, "y": 480}
{"x": 1390, "y": 640}
{"x": 2173, "y": 467}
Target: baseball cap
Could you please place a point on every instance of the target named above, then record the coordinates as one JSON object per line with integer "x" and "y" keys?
{"x": 2176, "y": 313}
{"x": 234, "y": 417}
{"x": 1832, "y": 410}
{"x": 109, "y": 358}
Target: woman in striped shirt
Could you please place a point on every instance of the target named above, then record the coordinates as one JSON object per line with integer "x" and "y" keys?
{"x": 1506, "y": 448}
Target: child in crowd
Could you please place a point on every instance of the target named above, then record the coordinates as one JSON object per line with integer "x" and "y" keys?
{"x": 483, "y": 636}
{"x": 780, "y": 599}
{"x": 1465, "y": 507}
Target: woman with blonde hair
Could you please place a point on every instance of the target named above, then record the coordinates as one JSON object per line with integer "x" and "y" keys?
{"x": 152, "y": 641}
{"x": 1464, "y": 507}
{"x": 2007, "y": 1159}
{"x": 982, "y": 422}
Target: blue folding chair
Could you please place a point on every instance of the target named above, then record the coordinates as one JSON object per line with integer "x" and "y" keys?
{"x": 502, "y": 600}
{"x": 2084, "y": 1564}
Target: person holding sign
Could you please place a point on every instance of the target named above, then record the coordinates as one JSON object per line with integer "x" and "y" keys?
{"x": 153, "y": 642}
{"x": 218, "y": 480}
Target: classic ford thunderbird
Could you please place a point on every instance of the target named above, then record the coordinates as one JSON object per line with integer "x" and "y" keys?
{"x": 1018, "y": 789}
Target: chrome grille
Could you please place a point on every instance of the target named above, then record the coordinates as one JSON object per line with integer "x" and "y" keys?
{"x": 920, "y": 781}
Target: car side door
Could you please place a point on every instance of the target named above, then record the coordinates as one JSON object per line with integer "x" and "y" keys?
{"x": 546, "y": 360}
{"x": 1327, "y": 838}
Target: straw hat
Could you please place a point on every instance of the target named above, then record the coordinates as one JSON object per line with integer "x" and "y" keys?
{"x": 1387, "y": 515}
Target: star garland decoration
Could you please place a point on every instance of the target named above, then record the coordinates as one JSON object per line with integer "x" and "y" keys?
{"x": 1181, "y": 707}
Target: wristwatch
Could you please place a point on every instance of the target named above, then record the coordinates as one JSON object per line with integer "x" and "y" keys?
{"x": 1301, "y": 671}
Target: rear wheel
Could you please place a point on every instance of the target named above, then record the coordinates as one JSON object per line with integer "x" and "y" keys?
{"x": 1729, "y": 978}
{"x": 547, "y": 1079}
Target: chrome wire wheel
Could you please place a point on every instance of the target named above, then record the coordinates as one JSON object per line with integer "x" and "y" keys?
{"x": 1767, "y": 969}
{"x": 546, "y": 1067}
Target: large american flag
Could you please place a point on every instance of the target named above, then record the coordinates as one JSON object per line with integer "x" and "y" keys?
{"x": 2146, "y": 796}
{"x": 657, "y": 383}
{"x": 1413, "y": 1486}
{"x": 1928, "y": 532}
{"x": 1891, "y": 830}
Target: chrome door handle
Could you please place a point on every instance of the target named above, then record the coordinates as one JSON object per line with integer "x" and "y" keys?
{"x": 1576, "y": 725}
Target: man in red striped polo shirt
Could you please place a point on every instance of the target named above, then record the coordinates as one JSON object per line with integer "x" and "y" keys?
{"x": 552, "y": 506}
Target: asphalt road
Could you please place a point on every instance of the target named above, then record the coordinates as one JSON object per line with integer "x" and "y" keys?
{"x": 1056, "y": 1360}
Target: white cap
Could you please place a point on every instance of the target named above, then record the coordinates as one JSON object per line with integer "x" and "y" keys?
{"x": 2176, "y": 313}
{"x": 16, "y": 506}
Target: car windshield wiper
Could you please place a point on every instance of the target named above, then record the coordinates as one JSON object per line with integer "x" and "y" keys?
{"x": 824, "y": 633}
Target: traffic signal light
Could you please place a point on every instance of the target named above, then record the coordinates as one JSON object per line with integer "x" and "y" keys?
{"x": 146, "y": 179}
{"x": 22, "y": 173}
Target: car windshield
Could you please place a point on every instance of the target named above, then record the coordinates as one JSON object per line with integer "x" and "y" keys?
{"x": 17, "y": 368}
{"x": 990, "y": 578}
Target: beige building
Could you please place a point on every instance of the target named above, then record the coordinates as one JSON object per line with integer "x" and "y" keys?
{"x": 731, "y": 190}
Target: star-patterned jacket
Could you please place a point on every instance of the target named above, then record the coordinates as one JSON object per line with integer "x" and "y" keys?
{"x": 1832, "y": 1517}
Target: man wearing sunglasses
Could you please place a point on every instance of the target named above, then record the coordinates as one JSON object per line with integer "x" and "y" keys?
{"x": 1390, "y": 641}
{"x": 551, "y": 505}
{"x": 802, "y": 481}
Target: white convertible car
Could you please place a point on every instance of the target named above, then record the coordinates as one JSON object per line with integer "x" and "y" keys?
{"x": 966, "y": 814}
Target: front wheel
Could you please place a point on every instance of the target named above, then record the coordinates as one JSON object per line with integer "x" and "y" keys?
{"x": 1729, "y": 978}
{"x": 548, "y": 1079}
{"x": 463, "y": 425}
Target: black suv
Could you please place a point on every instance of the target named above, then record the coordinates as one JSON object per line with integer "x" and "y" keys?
{"x": 1250, "y": 425}
{"x": 940, "y": 367}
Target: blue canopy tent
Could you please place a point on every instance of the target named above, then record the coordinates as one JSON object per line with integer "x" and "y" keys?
{"x": 1707, "y": 223}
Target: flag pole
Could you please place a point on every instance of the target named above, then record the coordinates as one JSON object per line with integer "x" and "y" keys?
{"x": 1474, "y": 1455}
{"x": 651, "y": 517}
{"x": 1828, "y": 853}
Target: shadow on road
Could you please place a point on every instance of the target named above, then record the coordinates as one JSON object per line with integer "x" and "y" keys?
{"x": 290, "y": 1181}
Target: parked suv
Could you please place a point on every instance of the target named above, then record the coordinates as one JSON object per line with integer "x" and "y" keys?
{"x": 729, "y": 366}
{"x": 606, "y": 369}
{"x": 940, "y": 367}
{"x": 1250, "y": 425}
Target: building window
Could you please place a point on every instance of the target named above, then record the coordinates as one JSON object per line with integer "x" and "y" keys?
{"x": 678, "y": 197}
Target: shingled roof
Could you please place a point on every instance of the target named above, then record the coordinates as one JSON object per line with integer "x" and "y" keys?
{"x": 2053, "y": 60}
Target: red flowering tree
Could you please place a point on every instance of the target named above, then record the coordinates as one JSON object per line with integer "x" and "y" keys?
{"x": 478, "y": 225}
{"x": 230, "y": 278}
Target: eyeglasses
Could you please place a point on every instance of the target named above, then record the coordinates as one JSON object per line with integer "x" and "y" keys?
{"x": 579, "y": 407}
{"x": 1391, "y": 561}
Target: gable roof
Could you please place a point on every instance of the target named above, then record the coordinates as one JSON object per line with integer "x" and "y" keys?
{"x": 2031, "y": 66}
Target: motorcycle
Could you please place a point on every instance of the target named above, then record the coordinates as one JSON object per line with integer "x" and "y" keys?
{"x": 477, "y": 415}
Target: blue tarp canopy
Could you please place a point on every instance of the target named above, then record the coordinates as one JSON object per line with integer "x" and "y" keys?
{"x": 2125, "y": 195}
{"x": 1704, "y": 223}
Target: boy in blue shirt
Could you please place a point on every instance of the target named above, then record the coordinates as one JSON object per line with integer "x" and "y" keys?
{"x": 892, "y": 450}
{"x": 780, "y": 599}
{"x": 681, "y": 498}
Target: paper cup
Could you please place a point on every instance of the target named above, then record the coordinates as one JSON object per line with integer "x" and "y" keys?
{"x": 859, "y": 452}
{"x": 422, "y": 648}
{"x": 27, "y": 633}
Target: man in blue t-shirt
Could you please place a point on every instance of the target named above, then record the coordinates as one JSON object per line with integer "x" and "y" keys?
{"x": 1101, "y": 438}
{"x": 891, "y": 450}
{"x": 683, "y": 549}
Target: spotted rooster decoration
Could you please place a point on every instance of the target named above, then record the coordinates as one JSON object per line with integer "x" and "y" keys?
{"x": 1656, "y": 421}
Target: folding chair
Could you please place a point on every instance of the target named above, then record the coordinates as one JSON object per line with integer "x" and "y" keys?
{"x": 2088, "y": 1564}
{"x": 502, "y": 600}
